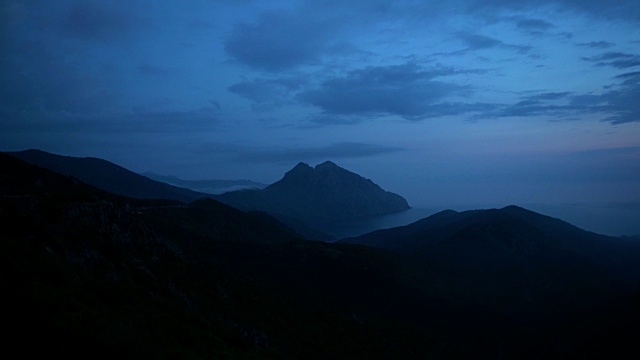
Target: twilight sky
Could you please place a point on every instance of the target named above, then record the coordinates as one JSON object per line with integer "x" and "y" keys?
{"x": 445, "y": 102}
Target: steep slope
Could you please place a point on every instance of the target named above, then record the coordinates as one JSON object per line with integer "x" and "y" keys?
{"x": 320, "y": 195}
{"x": 108, "y": 176}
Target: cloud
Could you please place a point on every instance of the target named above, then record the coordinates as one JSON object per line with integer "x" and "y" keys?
{"x": 336, "y": 119}
{"x": 623, "y": 10}
{"x": 406, "y": 90}
{"x": 281, "y": 41}
{"x": 597, "y": 44}
{"x": 460, "y": 108}
{"x": 534, "y": 25}
{"x": 335, "y": 151}
{"x": 40, "y": 71}
{"x": 433, "y": 110}
{"x": 168, "y": 122}
{"x": 152, "y": 70}
{"x": 560, "y": 105}
{"x": 47, "y": 82}
{"x": 267, "y": 94}
{"x": 630, "y": 78}
{"x": 615, "y": 59}
{"x": 59, "y": 57}
{"x": 619, "y": 103}
{"x": 100, "y": 21}
{"x": 623, "y": 100}
{"x": 628, "y": 10}
{"x": 476, "y": 42}
{"x": 536, "y": 108}
{"x": 341, "y": 150}
{"x": 549, "y": 96}
{"x": 528, "y": 25}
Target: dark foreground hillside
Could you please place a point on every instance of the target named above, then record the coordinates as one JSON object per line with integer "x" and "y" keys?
{"x": 89, "y": 274}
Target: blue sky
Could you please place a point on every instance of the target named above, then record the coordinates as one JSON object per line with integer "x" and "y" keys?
{"x": 446, "y": 102}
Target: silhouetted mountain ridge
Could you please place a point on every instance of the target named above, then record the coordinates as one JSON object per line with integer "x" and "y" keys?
{"x": 108, "y": 176}
{"x": 543, "y": 261}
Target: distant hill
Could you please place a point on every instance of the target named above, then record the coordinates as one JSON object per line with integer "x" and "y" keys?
{"x": 209, "y": 186}
{"x": 541, "y": 260}
{"x": 509, "y": 224}
{"x": 108, "y": 176}
{"x": 319, "y": 195}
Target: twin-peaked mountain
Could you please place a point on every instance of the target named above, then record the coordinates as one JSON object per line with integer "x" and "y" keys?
{"x": 319, "y": 195}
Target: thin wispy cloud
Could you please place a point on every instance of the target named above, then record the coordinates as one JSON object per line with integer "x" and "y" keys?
{"x": 615, "y": 59}
{"x": 280, "y": 41}
{"x": 597, "y": 44}
{"x": 476, "y": 42}
{"x": 292, "y": 155}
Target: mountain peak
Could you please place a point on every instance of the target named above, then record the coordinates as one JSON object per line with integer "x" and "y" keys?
{"x": 514, "y": 208}
{"x": 329, "y": 192}
{"x": 301, "y": 165}
{"x": 327, "y": 165}
{"x": 300, "y": 169}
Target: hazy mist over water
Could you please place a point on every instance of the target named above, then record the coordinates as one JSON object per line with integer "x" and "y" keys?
{"x": 359, "y": 227}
